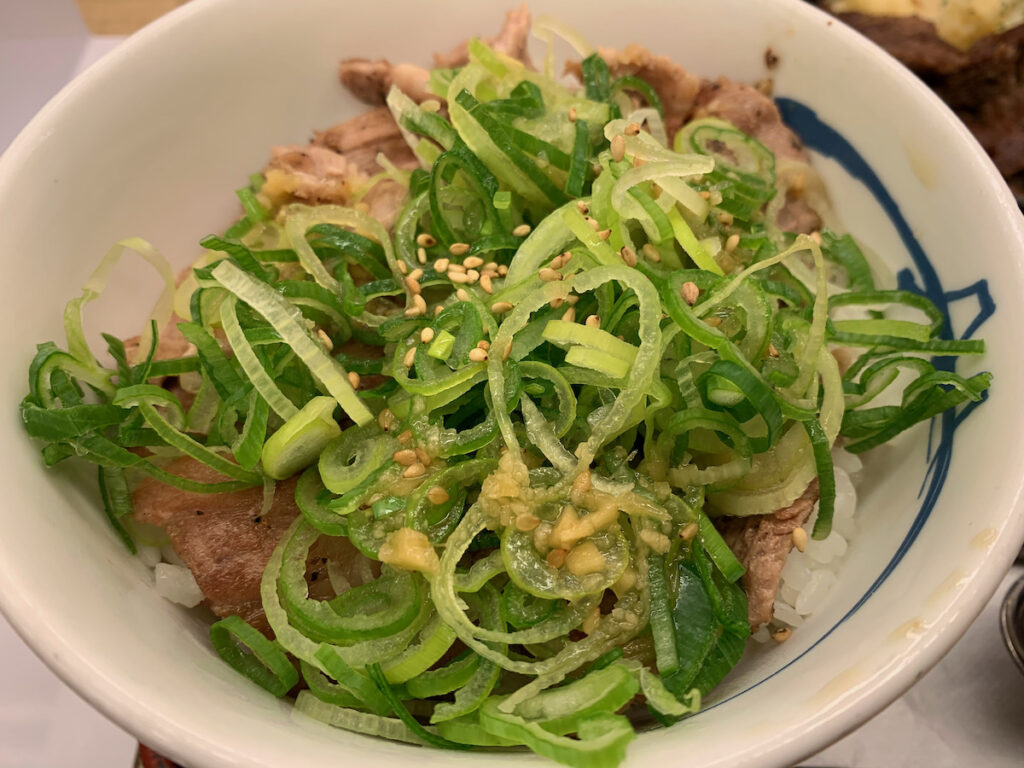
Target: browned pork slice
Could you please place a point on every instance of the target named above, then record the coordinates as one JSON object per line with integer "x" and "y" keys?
{"x": 336, "y": 167}
{"x": 752, "y": 112}
{"x": 369, "y": 80}
{"x": 511, "y": 41}
{"x": 226, "y": 541}
{"x": 762, "y": 544}
{"x": 676, "y": 87}
{"x": 361, "y": 138}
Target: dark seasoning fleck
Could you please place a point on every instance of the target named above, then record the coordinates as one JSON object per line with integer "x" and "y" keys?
{"x": 771, "y": 59}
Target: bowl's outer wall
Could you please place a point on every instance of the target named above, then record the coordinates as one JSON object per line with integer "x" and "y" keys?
{"x": 152, "y": 139}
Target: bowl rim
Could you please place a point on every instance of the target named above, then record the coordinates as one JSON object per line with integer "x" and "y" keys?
{"x": 145, "y": 722}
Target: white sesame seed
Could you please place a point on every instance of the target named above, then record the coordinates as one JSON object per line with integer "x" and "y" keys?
{"x": 473, "y": 262}
{"x": 689, "y": 531}
{"x": 421, "y": 255}
{"x": 816, "y": 237}
{"x": 502, "y": 270}
{"x": 772, "y": 351}
{"x": 353, "y": 379}
{"x": 593, "y": 321}
{"x": 403, "y": 267}
{"x": 800, "y": 539}
{"x": 386, "y": 419}
{"x": 572, "y": 114}
{"x": 522, "y": 230}
{"x": 549, "y": 275}
{"x": 410, "y": 357}
{"x": 423, "y": 456}
{"x": 453, "y": 267}
{"x": 485, "y": 283}
{"x": 458, "y": 249}
{"x": 412, "y": 284}
{"x": 725, "y": 218}
{"x": 507, "y": 352}
{"x": 413, "y": 311}
{"x": 618, "y": 147}
{"x": 420, "y": 303}
{"x": 705, "y": 194}
{"x": 427, "y": 335}
{"x": 472, "y": 275}
{"x": 604, "y": 234}
{"x": 500, "y": 307}
{"x": 569, "y": 315}
{"x": 782, "y": 635}
{"x": 582, "y": 207}
{"x": 632, "y": 129}
{"x": 593, "y": 223}
{"x": 405, "y": 456}
{"x": 484, "y": 344}
{"x": 556, "y": 302}
{"x": 441, "y": 265}
{"x": 572, "y": 299}
{"x": 457, "y": 277}
{"x": 690, "y": 292}
{"x": 650, "y": 251}
{"x": 425, "y": 239}
{"x": 628, "y": 255}
{"x": 438, "y": 495}
{"x": 405, "y": 437}
{"x": 415, "y": 470}
{"x": 430, "y": 105}
{"x": 438, "y": 310}
{"x": 731, "y": 243}
{"x": 324, "y": 339}
{"x": 477, "y": 355}
{"x": 462, "y": 294}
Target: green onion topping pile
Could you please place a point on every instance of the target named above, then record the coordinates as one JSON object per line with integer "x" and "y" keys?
{"x": 577, "y": 348}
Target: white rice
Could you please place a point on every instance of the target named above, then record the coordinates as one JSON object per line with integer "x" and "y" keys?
{"x": 809, "y": 576}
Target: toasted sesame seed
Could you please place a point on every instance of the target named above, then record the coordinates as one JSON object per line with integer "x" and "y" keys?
{"x": 713, "y": 321}
{"x": 472, "y": 262}
{"x": 632, "y": 129}
{"x": 638, "y": 161}
{"x": 549, "y": 275}
{"x": 690, "y": 292}
{"x": 403, "y": 267}
{"x": 569, "y": 315}
{"x": 405, "y": 456}
{"x": 782, "y": 635}
{"x": 477, "y": 355}
{"x": 648, "y": 249}
{"x": 472, "y": 275}
{"x": 458, "y": 277}
{"x": 412, "y": 284}
{"x": 410, "y": 357}
{"x": 500, "y": 307}
{"x": 420, "y": 303}
{"x": 582, "y": 207}
{"x": 427, "y": 335}
{"x": 441, "y": 265}
{"x": 484, "y": 344}
{"x": 437, "y": 495}
{"x": 453, "y": 267}
{"x": 772, "y": 351}
{"x": 438, "y": 310}
{"x": 491, "y": 266}
{"x": 416, "y": 274}
{"x": 731, "y": 242}
{"x": 507, "y": 352}
{"x": 628, "y": 255}
{"x": 462, "y": 294}
{"x": 502, "y": 270}
{"x": 705, "y": 194}
{"x": 572, "y": 114}
{"x": 405, "y": 437}
{"x": 353, "y": 379}
{"x": 572, "y": 298}
{"x": 386, "y": 419}
{"x": 593, "y": 321}
{"x": 653, "y": 255}
{"x": 426, "y": 240}
{"x": 556, "y": 302}
{"x": 485, "y": 283}
{"x": 689, "y": 531}
{"x": 458, "y": 249}
{"x": 604, "y": 234}
{"x": 413, "y": 311}
{"x": 522, "y": 230}
{"x": 556, "y": 558}
{"x": 800, "y": 539}
{"x": 593, "y": 223}
{"x": 527, "y": 521}
{"x": 816, "y": 237}
{"x": 430, "y": 105}
{"x": 415, "y": 470}
{"x": 618, "y": 147}
{"x": 725, "y": 218}
{"x": 421, "y": 255}
{"x": 557, "y": 262}
{"x": 424, "y": 457}
{"x": 324, "y": 339}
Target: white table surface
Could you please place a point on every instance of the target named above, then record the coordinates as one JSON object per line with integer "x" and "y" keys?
{"x": 968, "y": 711}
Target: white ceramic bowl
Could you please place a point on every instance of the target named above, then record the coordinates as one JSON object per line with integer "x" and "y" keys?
{"x": 152, "y": 140}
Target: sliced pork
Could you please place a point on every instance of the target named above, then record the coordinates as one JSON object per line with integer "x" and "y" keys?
{"x": 762, "y": 544}
{"x": 511, "y": 41}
